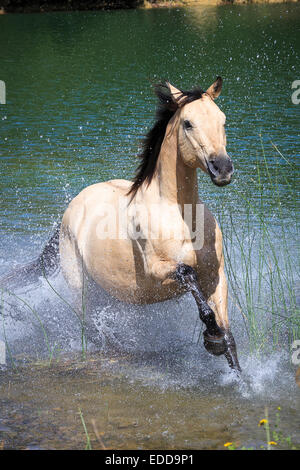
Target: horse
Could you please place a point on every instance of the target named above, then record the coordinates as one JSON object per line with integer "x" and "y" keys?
{"x": 152, "y": 239}
{"x": 132, "y": 239}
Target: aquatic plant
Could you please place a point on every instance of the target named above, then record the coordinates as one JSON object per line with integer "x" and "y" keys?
{"x": 261, "y": 265}
{"x": 81, "y": 316}
{"x": 36, "y": 316}
{"x": 88, "y": 445}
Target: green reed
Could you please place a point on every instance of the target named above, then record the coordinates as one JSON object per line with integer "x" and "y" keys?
{"x": 80, "y": 315}
{"x": 88, "y": 445}
{"x": 260, "y": 252}
{"x": 36, "y": 316}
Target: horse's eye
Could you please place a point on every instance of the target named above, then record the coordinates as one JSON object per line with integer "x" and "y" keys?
{"x": 187, "y": 125}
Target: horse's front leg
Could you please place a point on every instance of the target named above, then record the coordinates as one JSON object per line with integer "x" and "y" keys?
{"x": 217, "y": 339}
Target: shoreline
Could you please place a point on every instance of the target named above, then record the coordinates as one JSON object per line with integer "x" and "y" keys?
{"x": 39, "y": 6}
{"x": 188, "y": 3}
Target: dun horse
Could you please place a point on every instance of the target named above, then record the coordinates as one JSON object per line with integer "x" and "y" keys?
{"x": 133, "y": 238}
{"x": 147, "y": 251}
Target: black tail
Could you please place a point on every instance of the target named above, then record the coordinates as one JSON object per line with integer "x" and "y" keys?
{"x": 45, "y": 265}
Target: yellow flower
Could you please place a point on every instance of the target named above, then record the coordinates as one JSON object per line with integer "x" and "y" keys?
{"x": 272, "y": 443}
{"x": 227, "y": 444}
{"x": 262, "y": 422}
{"x": 278, "y": 408}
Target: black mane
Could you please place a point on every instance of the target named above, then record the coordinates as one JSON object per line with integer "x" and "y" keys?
{"x": 154, "y": 138}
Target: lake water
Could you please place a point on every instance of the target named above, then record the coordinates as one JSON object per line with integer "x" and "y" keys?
{"x": 79, "y": 99}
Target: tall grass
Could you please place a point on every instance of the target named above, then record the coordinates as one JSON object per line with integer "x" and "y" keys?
{"x": 79, "y": 314}
{"x": 260, "y": 252}
{"x": 88, "y": 445}
{"x": 35, "y": 315}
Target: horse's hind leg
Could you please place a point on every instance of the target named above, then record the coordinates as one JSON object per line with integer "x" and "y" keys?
{"x": 217, "y": 340}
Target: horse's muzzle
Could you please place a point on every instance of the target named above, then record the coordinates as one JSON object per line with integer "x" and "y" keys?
{"x": 220, "y": 170}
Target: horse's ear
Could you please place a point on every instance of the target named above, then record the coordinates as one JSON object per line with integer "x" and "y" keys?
{"x": 177, "y": 96}
{"x": 215, "y": 89}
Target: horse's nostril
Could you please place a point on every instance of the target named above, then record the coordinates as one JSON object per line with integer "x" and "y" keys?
{"x": 216, "y": 166}
{"x": 213, "y": 167}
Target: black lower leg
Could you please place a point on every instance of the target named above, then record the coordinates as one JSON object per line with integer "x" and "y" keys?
{"x": 217, "y": 340}
{"x": 188, "y": 278}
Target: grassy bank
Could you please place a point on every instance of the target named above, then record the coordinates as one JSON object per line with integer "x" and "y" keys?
{"x": 40, "y": 6}
{"x": 172, "y": 3}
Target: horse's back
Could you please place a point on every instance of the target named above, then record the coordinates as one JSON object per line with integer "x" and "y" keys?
{"x": 103, "y": 190}
{"x": 91, "y": 198}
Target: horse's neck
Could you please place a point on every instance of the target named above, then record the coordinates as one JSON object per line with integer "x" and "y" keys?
{"x": 176, "y": 182}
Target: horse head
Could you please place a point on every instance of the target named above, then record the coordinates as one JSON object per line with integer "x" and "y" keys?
{"x": 201, "y": 131}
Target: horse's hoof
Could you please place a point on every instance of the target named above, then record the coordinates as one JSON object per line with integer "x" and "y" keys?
{"x": 215, "y": 345}
{"x": 231, "y": 353}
